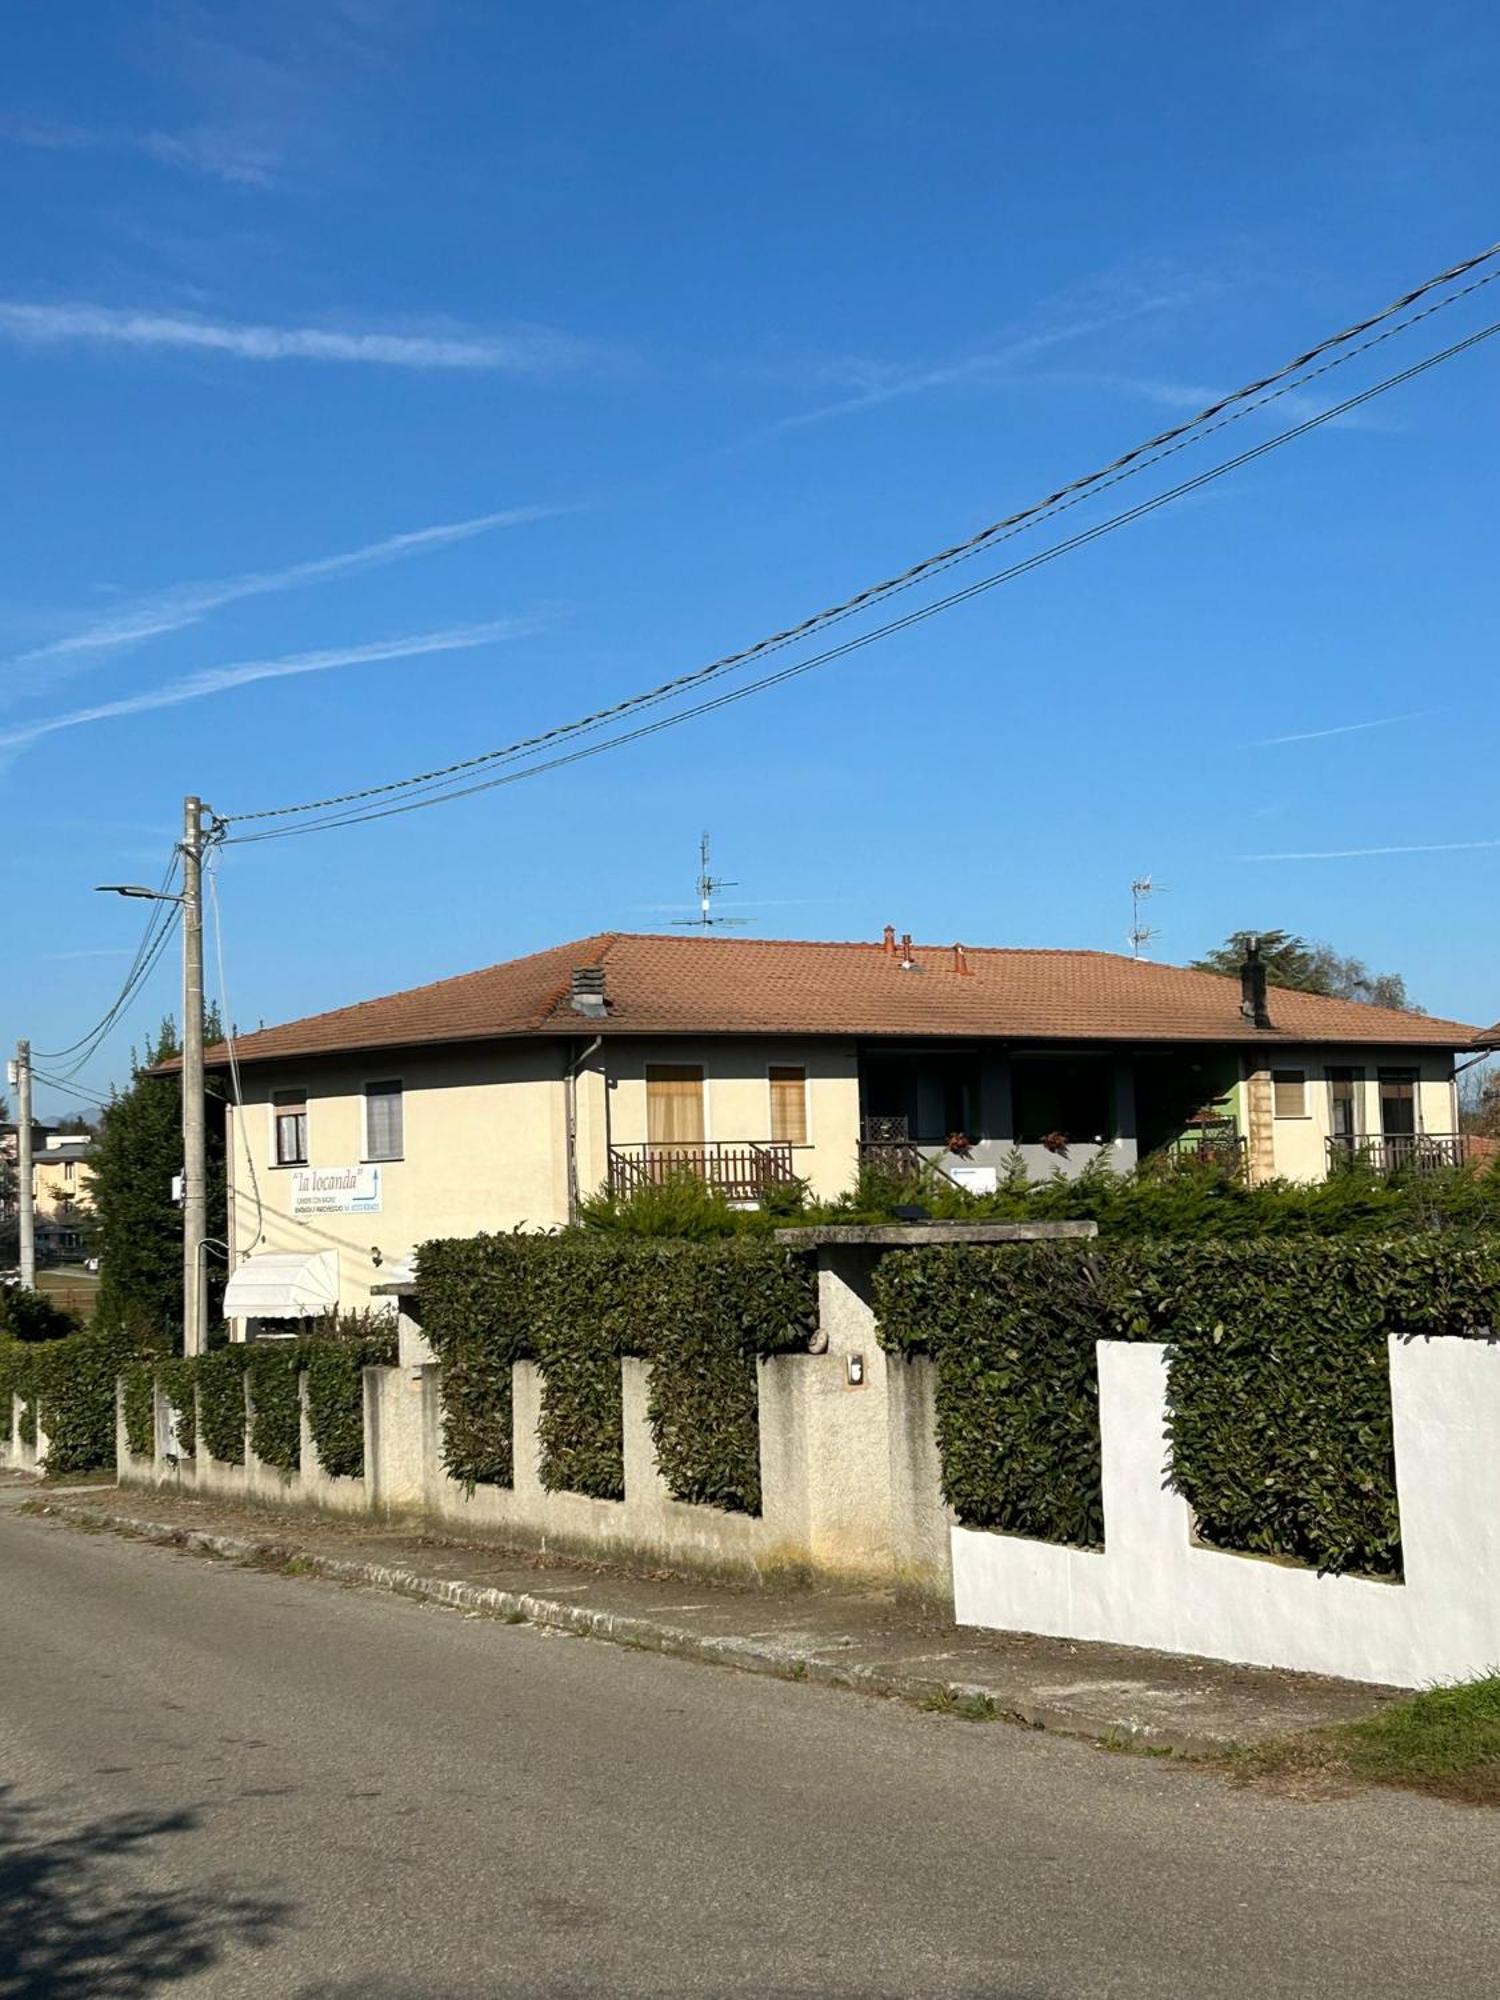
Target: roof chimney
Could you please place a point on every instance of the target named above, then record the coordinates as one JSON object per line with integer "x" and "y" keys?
{"x": 961, "y": 962}
{"x": 1253, "y": 1002}
{"x": 888, "y": 943}
{"x": 908, "y": 963}
{"x": 586, "y": 992}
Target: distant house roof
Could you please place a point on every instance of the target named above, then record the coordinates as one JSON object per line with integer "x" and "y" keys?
{"x": 655, "y": 985}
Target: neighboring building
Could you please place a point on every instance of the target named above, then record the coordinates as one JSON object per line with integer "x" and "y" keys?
{"x": 62, "y": 1176}
{"x": 495, "y": 1100}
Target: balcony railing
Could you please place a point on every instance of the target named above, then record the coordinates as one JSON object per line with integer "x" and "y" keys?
{"x": 1215, "y": 1144}
{"x": 740, "y": 1170}
{"x": 1398, "y": 1153}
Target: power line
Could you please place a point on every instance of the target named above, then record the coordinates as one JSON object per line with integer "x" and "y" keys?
{"x": 441, "y": 794}
{"x": 1148, "y": 452}
{"x": 157, "y": 923}
{"x": 211, "y": 870}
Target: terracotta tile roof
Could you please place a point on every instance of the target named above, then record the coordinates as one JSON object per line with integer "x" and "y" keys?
{"x": 730, "y": 986}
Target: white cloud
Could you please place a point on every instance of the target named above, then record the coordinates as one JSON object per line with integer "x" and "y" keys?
{"x": 1358, "y": 853}
{"x": 186, "y": 604}
{"x": 527, "y": 351}
{"x": 242, "y": 158}
{"x": 1339, "y": 729}
{"x": 219, "y": 680}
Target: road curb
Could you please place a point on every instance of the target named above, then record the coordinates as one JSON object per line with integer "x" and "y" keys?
{"x": 757, "y": 1655}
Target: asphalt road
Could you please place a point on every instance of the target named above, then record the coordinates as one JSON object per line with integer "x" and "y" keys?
{"x": 217, "y": 1781}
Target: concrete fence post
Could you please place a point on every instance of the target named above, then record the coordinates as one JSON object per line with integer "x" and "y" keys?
{"x": 395, "y": 1417}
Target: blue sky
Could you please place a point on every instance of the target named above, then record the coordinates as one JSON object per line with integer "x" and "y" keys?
{"x": 387, "y": 379}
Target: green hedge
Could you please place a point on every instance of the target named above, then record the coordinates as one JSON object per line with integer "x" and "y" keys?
{"x": 1279, "y": 1387}
{"x": 178, "y": 1378}
{"x": 333, "y": 1359}
{"x": 699, "y": 1312}
{"x": 272, "y": 1369}
{"x": 15, "y": 1380}
{"x": 138, "y": 1386}
{"x": 221, "y": 1402}
{"x": 74, "y": 1380}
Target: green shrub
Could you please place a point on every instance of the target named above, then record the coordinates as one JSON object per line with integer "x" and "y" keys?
{"x": 15, "y": 1382}
{"x": 1280, "y": 1384}
{"x": 138, "y": 1386}
{"x": 177, "y": 1377}
{"x": 699, "y": 1312}
{"x": 1278, "y": 1380}
{"x": 476, "y": 1318}
{"x": 273, "y": 1368}
{"x": 334, "y": 1361}
{"x": 75, "y": 1381}
{"x": 27, "y": 1315}
{"x": 1013, "y": 1329}
{"x": 221, "y": 1401}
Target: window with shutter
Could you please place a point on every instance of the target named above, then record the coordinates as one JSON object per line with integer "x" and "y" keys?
{"x": 789, "y": 1105}
{"x": 1290, "y": 1089}
{"x": 674, "y": 1104}
{"x": 385, "y": 1121}
{"x": 289, "y": 1109}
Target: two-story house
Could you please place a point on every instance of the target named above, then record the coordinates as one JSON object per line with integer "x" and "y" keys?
{"x": 497, "y": 1099}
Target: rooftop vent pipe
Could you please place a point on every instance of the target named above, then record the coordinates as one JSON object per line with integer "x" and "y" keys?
{"x": 908, "y": 963}
{"x": 586, "y": 992}
{"x": 1254, "y": 1004}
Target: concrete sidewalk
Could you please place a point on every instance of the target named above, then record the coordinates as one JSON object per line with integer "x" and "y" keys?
{"x": 863, "y": 1641}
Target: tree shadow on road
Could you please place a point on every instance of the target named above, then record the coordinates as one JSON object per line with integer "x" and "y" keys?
{"x": 81, "y": 1912}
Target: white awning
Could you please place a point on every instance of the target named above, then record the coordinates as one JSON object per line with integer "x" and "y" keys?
{"x": 297, "y": 1285}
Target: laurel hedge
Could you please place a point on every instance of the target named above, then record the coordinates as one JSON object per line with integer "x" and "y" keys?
{"x": 700, "y": 1313}
{"x": 1280, "y": 1412}
{"x": 138, "y": 1399}
{"x": 177, "y": 1377}
{"x": 220, "y": 1379}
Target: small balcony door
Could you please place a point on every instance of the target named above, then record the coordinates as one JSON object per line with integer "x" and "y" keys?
{"x": 1398, "y": 1103}
{"x": 674, "y": 1107}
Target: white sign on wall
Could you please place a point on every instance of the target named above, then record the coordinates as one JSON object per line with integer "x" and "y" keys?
{"x": 336, "y": 1191}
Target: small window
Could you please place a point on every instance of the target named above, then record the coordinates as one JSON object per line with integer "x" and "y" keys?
{"x": 385, "y": 1121}
{"x": 290, "y": 1110}
{"x": 788, "y": 1105}
{"x": 1289, "y": 1088}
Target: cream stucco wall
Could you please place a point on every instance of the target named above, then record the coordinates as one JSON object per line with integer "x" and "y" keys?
{"x": 485, "y": 1142}
{"x": 1301, "y": 1144}
{"x": 484, "y": 1150}
{"x": 59, "y": 1183}
{"x": 737, "y": 1099}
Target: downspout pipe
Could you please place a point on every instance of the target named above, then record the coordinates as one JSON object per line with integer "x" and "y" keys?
{"x": 572, "y": 1064}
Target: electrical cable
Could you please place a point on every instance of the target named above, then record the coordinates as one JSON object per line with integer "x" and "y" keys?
{"x": 1128, "y": 462}
{"x": 441, "y": 795}
{"x": 117, "y": 1013}
{"x": 210, "y": 870}
{"x": 160, "y": 916}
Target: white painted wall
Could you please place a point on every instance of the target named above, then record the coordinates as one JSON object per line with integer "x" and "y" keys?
{"x": 1152, "y": 1586}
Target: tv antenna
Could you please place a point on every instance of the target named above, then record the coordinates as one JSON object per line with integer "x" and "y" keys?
{"x": 708, "y": 885}
{"x": 1141, "y": 933}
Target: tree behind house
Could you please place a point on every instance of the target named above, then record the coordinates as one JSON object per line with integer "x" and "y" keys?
{"x": 1305, "y": 967}
{"x": 136, "y": 1227}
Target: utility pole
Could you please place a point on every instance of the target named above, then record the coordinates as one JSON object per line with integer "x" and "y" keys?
{"x": 194, "y": 1145}
{"x": 25, "y": 1207}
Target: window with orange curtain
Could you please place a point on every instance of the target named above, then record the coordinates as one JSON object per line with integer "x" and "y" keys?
{"x": 789, "y": 1105}
{"x": 674, "y": 1104}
